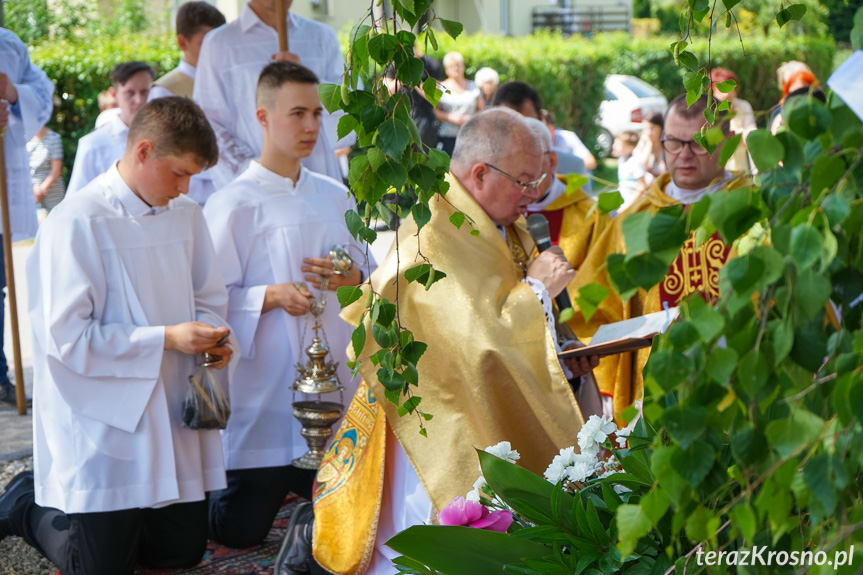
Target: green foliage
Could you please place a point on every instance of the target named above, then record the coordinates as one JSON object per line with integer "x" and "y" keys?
{"x": 81, "y": 70}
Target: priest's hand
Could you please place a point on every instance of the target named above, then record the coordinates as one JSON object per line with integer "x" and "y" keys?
{"x": 293, "y": 297}
{"x": 580, "y": 366}
{"x": 314, "y": 268}
{"x": 193, "y": 337}
{"x": 286, "y": 57}
{"x": 551, "y": 268}
{"x": 7, "y": 89}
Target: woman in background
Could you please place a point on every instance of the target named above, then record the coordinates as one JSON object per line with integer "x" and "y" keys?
{"x": 461, "y": 99}
{"x": 46, "y": 164}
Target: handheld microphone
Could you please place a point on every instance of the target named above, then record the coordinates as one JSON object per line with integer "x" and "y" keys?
{"x": 537, "y": 226}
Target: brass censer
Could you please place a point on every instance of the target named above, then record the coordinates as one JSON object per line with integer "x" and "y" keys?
{"x": 318, "y": 376}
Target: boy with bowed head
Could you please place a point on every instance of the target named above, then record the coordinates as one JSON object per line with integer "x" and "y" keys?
{"x": 124, "y": 294}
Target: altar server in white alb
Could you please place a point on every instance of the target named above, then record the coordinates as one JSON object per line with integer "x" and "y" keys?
{"x": 233, "y": 56}
{"x": 25, "y": 106}
{"x": 273, "y": 228}
{"x": 194, "y": 20}
{"x": 124, "y": 295}
{"x": 101, "y": 148}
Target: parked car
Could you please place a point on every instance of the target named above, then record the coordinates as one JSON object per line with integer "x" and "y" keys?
{"x": 627, "y": 101}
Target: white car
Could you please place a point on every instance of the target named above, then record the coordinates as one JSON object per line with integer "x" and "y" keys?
{"x": 627, "y": 101}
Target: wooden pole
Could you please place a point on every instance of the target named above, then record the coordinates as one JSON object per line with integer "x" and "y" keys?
{"x": 20, "y": 398}
{"x": 282, "y": 25}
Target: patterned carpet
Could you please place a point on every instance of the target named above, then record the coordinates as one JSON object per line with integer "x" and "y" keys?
{"x": 258, "y": 560}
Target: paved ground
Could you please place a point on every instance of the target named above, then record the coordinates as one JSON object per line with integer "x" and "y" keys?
{"x": 16, "y": 431}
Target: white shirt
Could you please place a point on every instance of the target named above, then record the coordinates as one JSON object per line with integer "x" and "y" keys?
{"x": 556, "y": 190}
{"x": 232, "y": 57}
{"x": 97, "y": 152}
{"x": 157, "y": 91}
{"x": 105, "y": 117}
{"x": 570, "y": 142}
{"x": 26, "y": 117}
{"x": 106, "y": 274}
{"x": 201, "y": 185}
{"x": 263, "y": 226}
{"x": 629, "y": 170}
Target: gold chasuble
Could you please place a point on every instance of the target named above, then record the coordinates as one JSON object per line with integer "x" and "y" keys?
{"x": 696, "y": 270}
{"x": 490, "y": 374}
{"x": 177, "y": 83}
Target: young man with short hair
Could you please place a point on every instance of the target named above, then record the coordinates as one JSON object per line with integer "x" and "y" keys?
{"x": 273, "y": 228}
{"x": 101, "y": 148}
{"x": 194, "y": 20}
{"x": 124, "y": 294}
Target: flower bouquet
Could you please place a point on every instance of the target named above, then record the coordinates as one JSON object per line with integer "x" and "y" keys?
{"x": 515, "y": 521}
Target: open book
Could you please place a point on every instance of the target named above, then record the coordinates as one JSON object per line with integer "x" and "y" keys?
{"x": 627, "y": 335}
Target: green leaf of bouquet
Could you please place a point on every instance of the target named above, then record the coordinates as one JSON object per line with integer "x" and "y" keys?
{"x": 706, "y": 319}
{"x": 331, "y": 98}
{"x": 753, "y": 372}
{"x": 384, "y": 336}
{"x": 348, "y": 295}
{"x": 468, "y": 551}
{"x": 347, "y": 124}
{"x": 666, "y": 230}
{"x": 749, "y": 446}
{"x": 735, "y": 212}
{"x": 654, "y": 505}
{"x": 431, "y": 90}
{"x": 393, "y": 137}
{"x": 527, "y": 493}
{"x": 647, "y": 269}
{"x": 806, "y": 245}
{"x": 689, "y": 60}
{"x": 609, "y": 201}
{"x": 619, "y": 276}
{"x": 589, "y": 297}
{"x": 728, "y": 148}
{"x": 766, "y": 149}
{"x": 451, "y": 27}
{"x": 632, "y": 524}
{"x": 413, "y": 351}
{"x": 382, "y": 48}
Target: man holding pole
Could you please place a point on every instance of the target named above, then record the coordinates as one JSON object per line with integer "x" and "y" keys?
{"x": 25, "y": 106}
{"x": 231, "y": 59}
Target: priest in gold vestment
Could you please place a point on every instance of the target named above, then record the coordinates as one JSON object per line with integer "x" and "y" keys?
{"x": 692, "y": 174}
{"x": 490, "y": 372}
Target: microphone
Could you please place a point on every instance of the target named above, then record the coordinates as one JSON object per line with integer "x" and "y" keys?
{"x": 537, "y": 226}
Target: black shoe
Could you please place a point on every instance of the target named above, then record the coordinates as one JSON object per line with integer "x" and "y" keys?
{"x": 7, "y": 395}
{"x": 295, "y": 556}
{"x": 20, "y": 489}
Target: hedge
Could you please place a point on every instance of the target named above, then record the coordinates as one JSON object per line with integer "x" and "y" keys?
{"x": 568, "y": 72}
{"x": 80, "y": 71}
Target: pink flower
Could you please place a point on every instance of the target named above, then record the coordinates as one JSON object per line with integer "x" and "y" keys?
{"x": 473, "y": 514}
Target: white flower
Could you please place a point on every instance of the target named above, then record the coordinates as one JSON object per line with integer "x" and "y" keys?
{"x": 594, "y": 432}
{"x": 479, "y": 483}
{"x": 567, "y": 456}
{"x": 622, "y": 434}
{"x": 583, "y": 467}
{"x": 556, "y": 471}
{"x": 503, "y": 450}
{"x": 472, "y": 495}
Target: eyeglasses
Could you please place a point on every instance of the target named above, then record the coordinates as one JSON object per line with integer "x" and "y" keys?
{"x": 675, "y": 146}
{"x": 526, "y": 187}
